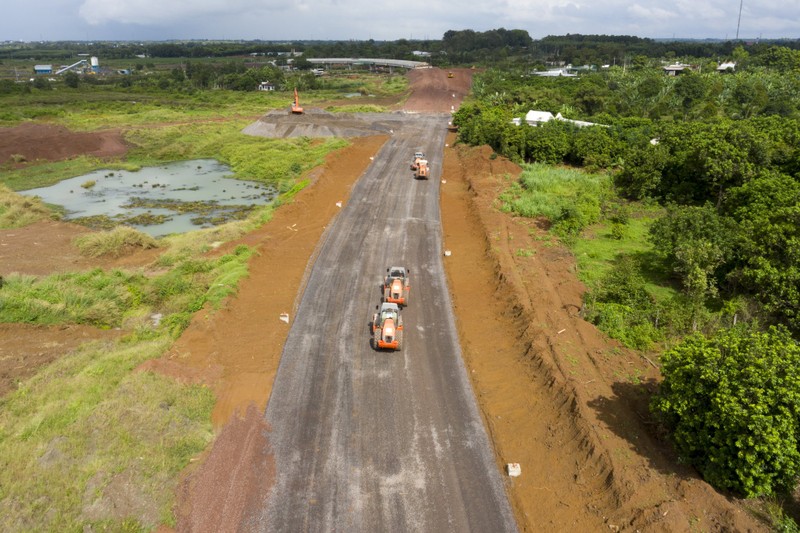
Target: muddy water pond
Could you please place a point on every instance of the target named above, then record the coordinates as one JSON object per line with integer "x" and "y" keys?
{"x": 172, "y": 198}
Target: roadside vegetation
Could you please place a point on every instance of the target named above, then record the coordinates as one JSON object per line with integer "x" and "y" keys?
{"x": 88, "y": 442}
{"x": 87, "y": 428}
{"x": 682, "y": 209}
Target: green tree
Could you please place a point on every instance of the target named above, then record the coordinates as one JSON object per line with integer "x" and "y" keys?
{"x": 732, "y": 403}
{"x": 695, "y": 242}
{"x": 641, "y": 172}
{"x": 691, "y": 89}
{"x": 768, "y": 211}
{"x": 41, "y": 84}
{"x": 548, "y": 143}
{"x": 71, "y": 79}
{"x": 594, "y": 147}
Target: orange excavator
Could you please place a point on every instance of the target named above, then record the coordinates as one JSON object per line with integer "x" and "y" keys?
{"x": 296, "y": 109}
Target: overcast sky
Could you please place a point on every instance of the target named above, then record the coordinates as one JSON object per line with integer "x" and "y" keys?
{"x": 50, "y": 20}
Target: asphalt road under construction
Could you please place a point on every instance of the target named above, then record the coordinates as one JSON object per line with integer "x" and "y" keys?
{"x": 380, "y": 441}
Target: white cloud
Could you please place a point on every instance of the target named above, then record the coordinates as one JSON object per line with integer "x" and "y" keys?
{"x": 391, "y": 20}
{"x": 162, "y": 13}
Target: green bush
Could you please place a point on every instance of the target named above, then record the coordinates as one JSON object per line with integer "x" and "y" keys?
{"x": 732, "y": 403}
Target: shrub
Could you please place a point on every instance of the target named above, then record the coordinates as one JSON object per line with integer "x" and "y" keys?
{"x": 732, "y": 402}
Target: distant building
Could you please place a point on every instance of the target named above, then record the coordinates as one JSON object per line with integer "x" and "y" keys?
{"x": 536, "y": 118}
{"x": 555, "y": 73}
{"x": 728, "y": 66}
{"x": 43, "y": 69}
{"x": 266, "y": 86}
{"x": 420, "y": 53}
{"x": 678, "y": 68}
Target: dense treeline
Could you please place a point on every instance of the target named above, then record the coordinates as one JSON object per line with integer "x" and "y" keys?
{"x": 456, "y": 47}
{"x": 719, "y": 152}
{"x": 719, "y": 148}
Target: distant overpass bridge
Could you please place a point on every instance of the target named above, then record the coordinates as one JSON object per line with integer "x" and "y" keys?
{"x": 350, "y": 61}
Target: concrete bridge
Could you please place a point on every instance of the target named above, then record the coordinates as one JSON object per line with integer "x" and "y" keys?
{"x": 391, "y": 63}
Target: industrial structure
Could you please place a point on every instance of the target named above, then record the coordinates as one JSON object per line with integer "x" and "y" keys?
{"x": 82, "y": 65}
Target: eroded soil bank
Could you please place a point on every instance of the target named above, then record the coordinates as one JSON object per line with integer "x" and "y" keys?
{"x": 558, "y": 397}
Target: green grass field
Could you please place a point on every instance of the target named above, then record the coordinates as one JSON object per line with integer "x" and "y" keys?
{"x": 88, "y": 425}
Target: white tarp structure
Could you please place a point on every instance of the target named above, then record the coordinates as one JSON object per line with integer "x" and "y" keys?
{"x": 537, "y": 118}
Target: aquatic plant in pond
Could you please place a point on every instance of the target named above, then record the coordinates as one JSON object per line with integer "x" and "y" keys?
{"x": 172, "y": 198}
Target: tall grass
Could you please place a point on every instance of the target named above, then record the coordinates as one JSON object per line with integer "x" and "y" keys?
{"x": 105, "y": 299}
{"x": 87, "y": 442}
{"x": 571, "y": 199}
{"x": 18, "y": 211}
{"x": 630, "y": 297}
{"x": 113, "y": 243}
{"x": 95, "y": 107}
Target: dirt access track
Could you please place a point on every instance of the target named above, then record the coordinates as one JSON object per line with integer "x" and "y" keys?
{"x": 553, "y": 394}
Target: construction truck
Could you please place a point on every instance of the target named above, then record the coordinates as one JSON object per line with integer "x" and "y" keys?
{"x": 395, "y": 286}
{"x": 415, "y": 160}
{"x": 387, "y": 327}
{"x": 450, "y": 75}
{"x": 296, "y": 109}
{"x": 423, "y": 170}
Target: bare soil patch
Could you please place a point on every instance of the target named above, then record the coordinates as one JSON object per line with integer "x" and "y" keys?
{"x": 35, "y": 141}
{"x": 432, "y": 91}
{"x": 24, "y": 348}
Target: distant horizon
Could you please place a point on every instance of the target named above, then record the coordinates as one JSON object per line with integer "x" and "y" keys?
{"x": 302, "y": 40}
{"x": 416, "y": 20}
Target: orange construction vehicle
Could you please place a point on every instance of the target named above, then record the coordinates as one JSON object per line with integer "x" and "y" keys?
{"x": 395, "y": 286}
{"x": 450, "y": 75}
{"x": 423, "y": 170}
{"x": 387, "y": 328}
{"x": 415, "y": 160}
{"x": 296, "y": 109}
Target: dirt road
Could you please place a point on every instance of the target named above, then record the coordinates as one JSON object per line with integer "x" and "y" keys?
{"x": 377, "y": 441}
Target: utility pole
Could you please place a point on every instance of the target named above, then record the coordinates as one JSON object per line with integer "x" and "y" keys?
{"x": 740, "y": 19}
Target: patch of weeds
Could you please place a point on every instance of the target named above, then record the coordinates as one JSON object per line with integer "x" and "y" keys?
{"x": 525, "y": 252}
{"x": 113, "y": 243}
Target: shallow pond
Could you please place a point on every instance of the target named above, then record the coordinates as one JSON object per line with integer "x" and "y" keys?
{"x": 172, "y": 198}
